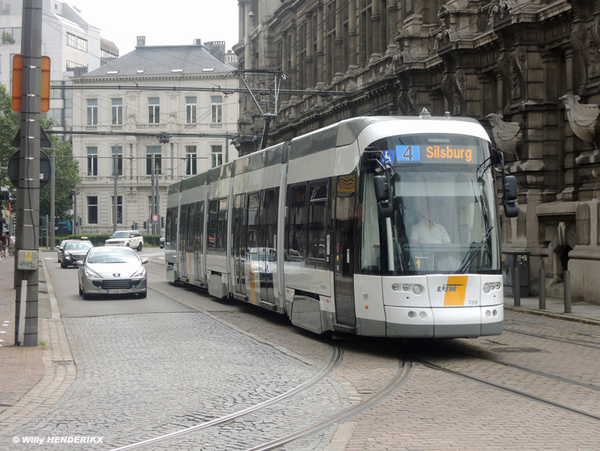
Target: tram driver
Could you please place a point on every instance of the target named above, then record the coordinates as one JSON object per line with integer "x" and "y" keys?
{"x": 427, "y": 231}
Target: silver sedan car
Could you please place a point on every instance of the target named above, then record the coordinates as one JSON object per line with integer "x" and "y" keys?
{"x": 112, "y": 271}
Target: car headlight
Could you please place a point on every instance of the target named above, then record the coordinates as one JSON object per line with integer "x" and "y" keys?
{"x": 139, "y": 273}
{"x": 91, "y": 274}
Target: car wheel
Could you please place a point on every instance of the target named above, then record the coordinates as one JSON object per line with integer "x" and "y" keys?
{"x": 80, "y": 290}
{"x": 127, "y": 245}
{"x": 86, "y": 296}
{"x": 143, "y": 295}
{"x": 62, "y": 264}
{"x": 139, "y": 248}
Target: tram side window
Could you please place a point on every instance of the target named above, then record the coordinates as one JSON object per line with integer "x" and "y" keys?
{"x": 222, "y": 224}
{"x": 213, "y": 208}
{"x": 198, "y": 226}
{"x": 189, "y": 239}
{"x": 253, "y": 202}
{"x": 268, "y": 218}
{"x": 370, "y": 256}
{"x": 317, "y": 222}
{"x": 171, "y": 231}
{"x": 297, "y": 222}
{"x": 183, "y": 225}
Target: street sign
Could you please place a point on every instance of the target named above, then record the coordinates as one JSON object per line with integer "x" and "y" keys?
{"x": 45, "y": 169}
{"x": 155, "y": 219}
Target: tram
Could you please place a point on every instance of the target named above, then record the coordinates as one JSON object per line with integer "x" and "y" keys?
{"x": 374, "y": 226}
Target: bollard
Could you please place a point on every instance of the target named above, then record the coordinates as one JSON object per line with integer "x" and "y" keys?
{"x": 542, "y": 289}
{"x": 516, "y": 285}
{"x": 567, "y": 289}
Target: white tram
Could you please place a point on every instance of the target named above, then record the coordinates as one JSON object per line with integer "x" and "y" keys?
{"x": 378, "y": 226}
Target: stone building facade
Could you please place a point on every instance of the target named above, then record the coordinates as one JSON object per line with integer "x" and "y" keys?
{"x": 528, "y": 70}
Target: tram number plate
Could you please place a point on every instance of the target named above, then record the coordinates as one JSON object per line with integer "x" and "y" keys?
{"x": 117, "y": 291}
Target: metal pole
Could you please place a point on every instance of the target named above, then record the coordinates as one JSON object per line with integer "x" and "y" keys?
{"x": 567, "y": 290}
{"x": 157, "y": 193}
{"x": 47, "y": 232}
{"x": 52, "y": 197}
{"x": 75, "y": 221}
{"x": 150, "y": 225}
{"x": 115, "y": 175}
{"x": 542, "y": 289}
{"x": 28, "y": 193}
{"x": 516, "y": 284}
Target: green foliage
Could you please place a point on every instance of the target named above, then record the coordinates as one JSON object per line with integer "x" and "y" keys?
{"x": 9, "y": 124}
{"x": 66, "y": 170}
{"x": 6, "y": 38}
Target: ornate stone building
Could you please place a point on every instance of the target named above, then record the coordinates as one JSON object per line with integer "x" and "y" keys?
{"x": 528, "y": 70}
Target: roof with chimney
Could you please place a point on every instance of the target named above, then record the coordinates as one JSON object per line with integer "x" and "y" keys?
{"x": 163, "y": 60}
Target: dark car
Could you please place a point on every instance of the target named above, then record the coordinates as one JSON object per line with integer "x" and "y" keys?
{"x": 161, "y": 241}
{"x": 59, "y": 249}
{"x": 74, "y": 251}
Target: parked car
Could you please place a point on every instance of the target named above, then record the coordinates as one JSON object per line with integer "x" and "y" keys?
{"x": 74, "y": 251}
{"x": 110, "y": 271}
{"x": 59, "y": 249}
{"x": 127, "y": 238}
{"x": 161, "y": 241}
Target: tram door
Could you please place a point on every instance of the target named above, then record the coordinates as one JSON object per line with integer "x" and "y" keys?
{"x": 344, "y": 250}
{"x": 184, "y": 267}
{"x": 267, "y": 255}
{"x": 252, "y": 270}
{"x": 239, "y": 243}
{"x": 197, "y": 224}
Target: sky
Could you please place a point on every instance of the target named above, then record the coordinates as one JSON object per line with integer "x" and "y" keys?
{"x": 163, "y": 22}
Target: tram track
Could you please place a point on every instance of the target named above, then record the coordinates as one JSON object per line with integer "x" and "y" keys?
{"x": 334, "y": 360}
{"x": 524, "y": 386}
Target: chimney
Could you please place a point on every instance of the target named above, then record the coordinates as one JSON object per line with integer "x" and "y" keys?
{"x": 141, "y": 41}
{"x": 197, "y": 42}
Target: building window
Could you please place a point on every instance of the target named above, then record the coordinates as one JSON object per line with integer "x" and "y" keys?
{"x": 118, "y": 152}
{"x": 77, "y": 42}
{"x": 117, "y": 111}
{"x": 154, "y": 110}
{"x": 190, "y": 160}
{"x": 92, "y": 111}
{"x": 217, "y": 108}
{"x": 119, "y": 208}
{"x": 190, "y": 110}
{"x": 76, "y": 68}
{"x": 92, "y": 209}
{"x": 216, "y": 155}
{"x": 92, "y": 161}
{"x": 153, "y": 150}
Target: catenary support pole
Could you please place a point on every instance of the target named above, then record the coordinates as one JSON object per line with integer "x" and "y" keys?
{"x": 28, "y": 193}
{"x": 542, "y": 289}
{"x": 567, "y": 290}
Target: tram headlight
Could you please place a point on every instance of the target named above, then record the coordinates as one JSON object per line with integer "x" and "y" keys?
{"x": 395, "y": 287}
{"x": 417, "y": 289}
{"x": 406, "y": 287}
{"x": 486, "y": 287}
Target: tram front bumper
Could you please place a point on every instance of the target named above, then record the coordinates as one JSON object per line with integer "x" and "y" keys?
{"x": 444, "y": 322}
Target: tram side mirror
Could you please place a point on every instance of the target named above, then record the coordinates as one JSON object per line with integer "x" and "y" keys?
{"x": 510, "y": 187}
{"x": 384, "y": 209}
{"x": 382, "y": 188}
{"x": 510, "y": 209}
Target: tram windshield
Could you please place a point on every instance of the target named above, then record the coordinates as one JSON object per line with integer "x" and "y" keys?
{"x": 444, "y": 216}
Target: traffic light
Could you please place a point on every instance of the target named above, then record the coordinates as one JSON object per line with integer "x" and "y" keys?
{"x": 133, "y": 226}
{"x": 144, "y": 225}
{"x": 162, "y": 222}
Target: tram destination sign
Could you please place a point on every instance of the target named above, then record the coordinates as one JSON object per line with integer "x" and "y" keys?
{"x": 442, "y": 154}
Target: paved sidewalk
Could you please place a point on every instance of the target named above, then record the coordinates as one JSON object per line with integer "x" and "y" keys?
{"x": 34, "y": 378}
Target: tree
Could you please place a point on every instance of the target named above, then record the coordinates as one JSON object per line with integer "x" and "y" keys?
{"x": 9, "y": 124}
{"x": 66, "y": 170}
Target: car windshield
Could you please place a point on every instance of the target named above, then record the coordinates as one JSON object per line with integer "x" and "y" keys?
{"x": 113, "y": 256}
{"x": 121, "y": 235}
{"x": 78, "y": 246}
